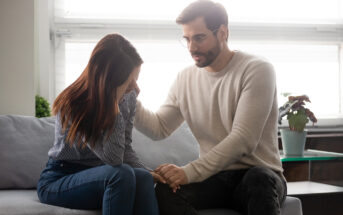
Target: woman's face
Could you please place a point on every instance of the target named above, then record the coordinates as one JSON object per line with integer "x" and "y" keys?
{"x": 129, "y": 84}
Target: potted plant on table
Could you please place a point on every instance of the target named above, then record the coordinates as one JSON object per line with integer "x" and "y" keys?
{"x": 294, "y": 138}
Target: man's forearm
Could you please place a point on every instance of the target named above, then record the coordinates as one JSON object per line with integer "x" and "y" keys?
{"x": 157, "y": 125}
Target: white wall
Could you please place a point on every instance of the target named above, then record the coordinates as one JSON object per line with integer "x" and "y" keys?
{"x": 44, "y": 83}
{"x": 24, "y": 55}
{"x": 17, "y": 89}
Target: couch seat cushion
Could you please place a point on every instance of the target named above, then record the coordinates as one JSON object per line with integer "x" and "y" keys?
{"x": 19, "y": 202}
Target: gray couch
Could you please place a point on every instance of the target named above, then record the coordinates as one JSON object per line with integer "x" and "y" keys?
{"x": 24, "y": 143}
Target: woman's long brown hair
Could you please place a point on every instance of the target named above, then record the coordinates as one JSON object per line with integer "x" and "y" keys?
{"x": 88, "y": 107}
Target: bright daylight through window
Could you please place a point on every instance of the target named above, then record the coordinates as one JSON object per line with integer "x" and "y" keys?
{"x": 302, "y": 39}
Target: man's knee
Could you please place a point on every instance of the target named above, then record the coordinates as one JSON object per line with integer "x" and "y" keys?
{"x": 163, "y": 191}
{"x": 171, "y": 203}
{"x": 261, "y": 177}
{"x": 165, "y": 195}
{"x": 261, "y": 182}
{"x": 261, "y": 191}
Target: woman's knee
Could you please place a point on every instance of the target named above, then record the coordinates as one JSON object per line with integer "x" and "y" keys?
{"x": 121, "y": 174}
{"x": 143, "y": 176}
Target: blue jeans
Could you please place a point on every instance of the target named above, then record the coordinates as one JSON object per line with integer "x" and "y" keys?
{"x": 118, "y": 190}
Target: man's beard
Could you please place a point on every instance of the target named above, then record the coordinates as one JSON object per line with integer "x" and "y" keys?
{"x": 209, "y": 56}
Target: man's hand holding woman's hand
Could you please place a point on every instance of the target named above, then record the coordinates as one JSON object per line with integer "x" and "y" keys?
{"x": 172, "y": 174}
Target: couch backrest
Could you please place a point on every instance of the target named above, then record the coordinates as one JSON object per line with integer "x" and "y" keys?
{"x": 180, "y": 148}
{"x": 25, "y": 141}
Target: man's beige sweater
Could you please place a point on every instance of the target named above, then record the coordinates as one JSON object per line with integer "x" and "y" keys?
{"x": 232, "y": 114}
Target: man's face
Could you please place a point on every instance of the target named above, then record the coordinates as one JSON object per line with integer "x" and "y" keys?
{"x": 202, "y": 43}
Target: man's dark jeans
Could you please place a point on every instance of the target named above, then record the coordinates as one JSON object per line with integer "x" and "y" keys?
{"x": 257, "y": 190}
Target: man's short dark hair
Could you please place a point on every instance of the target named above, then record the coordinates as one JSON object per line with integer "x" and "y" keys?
{"x": 214, "y": 14}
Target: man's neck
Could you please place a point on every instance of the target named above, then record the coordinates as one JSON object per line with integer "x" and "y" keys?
{"x": 221, "y": 61}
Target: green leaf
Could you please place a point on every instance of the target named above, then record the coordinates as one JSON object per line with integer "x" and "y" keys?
{"x": 297, "y": 120}
{"x": 42, "y": 107}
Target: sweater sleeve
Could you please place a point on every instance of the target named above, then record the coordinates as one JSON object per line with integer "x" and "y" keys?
{"x": 255, "y": 103}
{"x": 159, "y": 125}
{"x": 130, "y": 156}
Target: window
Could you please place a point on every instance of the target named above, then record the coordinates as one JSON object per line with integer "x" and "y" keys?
{"x": 302, "y": 39}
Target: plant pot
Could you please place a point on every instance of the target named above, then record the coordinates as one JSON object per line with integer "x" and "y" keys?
{"x": 293, "y": 142}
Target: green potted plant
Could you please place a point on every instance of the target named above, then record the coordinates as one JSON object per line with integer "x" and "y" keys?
{"x": 293, "y": 138}
{"x": 42, "y": 107}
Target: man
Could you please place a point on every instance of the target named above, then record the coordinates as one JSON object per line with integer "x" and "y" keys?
{"x": 229, "y": 102}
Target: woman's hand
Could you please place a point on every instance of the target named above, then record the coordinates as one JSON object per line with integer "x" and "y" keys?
{"x": 129, "y": 84}
{"x": 157, "y": 177}
{"x": 133, "y": 86}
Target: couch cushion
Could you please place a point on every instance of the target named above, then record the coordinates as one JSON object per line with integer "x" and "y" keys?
{"x": 30, "y": 205}
{"x": 292, "y": 206}
{"x": 19, "y": 202}
{"x": 24, "y": 143}
{"x": 179, "y": 148}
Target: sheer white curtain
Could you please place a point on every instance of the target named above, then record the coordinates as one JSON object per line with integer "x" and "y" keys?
{"x": 302, "y": 39}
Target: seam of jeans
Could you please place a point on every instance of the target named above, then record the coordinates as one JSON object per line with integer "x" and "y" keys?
{"x": 46, "y": 186}
{"x": 109, "y": 205}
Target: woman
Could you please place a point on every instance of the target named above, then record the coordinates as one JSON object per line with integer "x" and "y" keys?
{"x": 92, "y": 164}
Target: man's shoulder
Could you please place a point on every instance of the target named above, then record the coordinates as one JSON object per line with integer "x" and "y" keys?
{"x": 189, "y": 69}
{"x": 251, "y": 64}
{"x": 187, "y": 72}
{"x": 252, "y": 59}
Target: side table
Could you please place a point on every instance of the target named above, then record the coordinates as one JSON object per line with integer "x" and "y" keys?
{"x": 317, "y": 179}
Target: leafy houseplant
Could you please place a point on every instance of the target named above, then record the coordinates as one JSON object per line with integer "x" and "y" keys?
{"x": 294, "y": 138}
{"x": 42, "y": 107}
